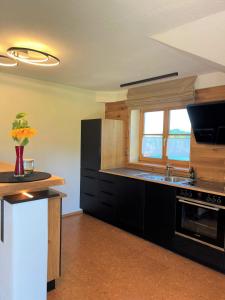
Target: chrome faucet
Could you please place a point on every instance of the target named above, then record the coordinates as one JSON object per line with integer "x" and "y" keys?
{"x": 192, "y": 173}
{"x": 168, "y": 170}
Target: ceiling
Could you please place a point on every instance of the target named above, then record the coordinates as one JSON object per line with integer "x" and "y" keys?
{"x": 103, "y": 43}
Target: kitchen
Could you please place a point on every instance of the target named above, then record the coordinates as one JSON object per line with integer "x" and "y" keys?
{"x": 124, "y": 198}
{"x": 182, "y": 213}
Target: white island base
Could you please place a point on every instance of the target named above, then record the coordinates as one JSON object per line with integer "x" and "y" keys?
{"x": 24, "y": 250}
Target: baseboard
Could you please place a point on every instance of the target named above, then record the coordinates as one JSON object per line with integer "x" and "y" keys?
{"x": 74, "y": 213}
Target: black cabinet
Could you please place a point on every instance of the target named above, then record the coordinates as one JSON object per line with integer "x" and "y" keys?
{"x": 131, "y": 195}
{"x": 90, "y": 165}
{"x": 97, "y": 190}
{"x": 159, "y": 214}
{"x": 91, "y": 144}
{"x": 107, "y": 198}
{"x": 199, "y": 252}
{"x": 89, "y": 191}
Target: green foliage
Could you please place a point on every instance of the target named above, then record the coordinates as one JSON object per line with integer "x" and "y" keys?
{"x": 21, "y": 115}
{"x": 25, "y": 142}
{"x": 20, "y": 122}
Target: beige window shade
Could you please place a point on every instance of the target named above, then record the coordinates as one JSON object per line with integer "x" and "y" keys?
{"x": 165, "y": 94}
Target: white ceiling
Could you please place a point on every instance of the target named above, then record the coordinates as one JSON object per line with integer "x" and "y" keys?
{"x": 203, "y": 38}
{"x": 102, "y": 43}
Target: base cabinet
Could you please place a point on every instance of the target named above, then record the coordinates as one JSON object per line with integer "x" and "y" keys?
{"x": 159, "y": 214}
{"x": 131, "y": 197}
{"x": 114, "y": 199}
{"x": 145, "y": 209}
{"x": 201, "y": 253}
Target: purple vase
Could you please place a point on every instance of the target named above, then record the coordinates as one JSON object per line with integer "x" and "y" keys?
{"x": 19, "y": 170}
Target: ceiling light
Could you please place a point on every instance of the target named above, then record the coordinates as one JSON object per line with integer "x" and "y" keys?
{"x": 33, "y": 57}
{"x": 6, "y": 61}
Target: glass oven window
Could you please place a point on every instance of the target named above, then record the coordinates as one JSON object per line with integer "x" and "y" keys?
{"x": 200, "y": 221}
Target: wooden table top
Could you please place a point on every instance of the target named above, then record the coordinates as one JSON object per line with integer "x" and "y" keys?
{"x": 14, "y": 188}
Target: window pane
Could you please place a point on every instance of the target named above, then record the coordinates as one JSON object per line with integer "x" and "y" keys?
{"x": 153, "y": 122}
{"x": 178, "y": 147}
{"x": 152, "y": 146}
{"x": 179, "y": 122}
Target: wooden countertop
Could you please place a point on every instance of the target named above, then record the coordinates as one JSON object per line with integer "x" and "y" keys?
{"x": 14, "y": 188}
{"x": 199, "y": 185}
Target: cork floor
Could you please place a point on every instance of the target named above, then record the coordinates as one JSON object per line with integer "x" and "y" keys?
{"x": 101, "y": 262}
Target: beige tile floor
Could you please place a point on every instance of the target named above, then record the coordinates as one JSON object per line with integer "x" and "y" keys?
{"x": 101, "y": 262}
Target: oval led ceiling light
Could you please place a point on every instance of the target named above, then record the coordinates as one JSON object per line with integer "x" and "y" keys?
{"x": 33, "y": 57}
{"x": 6, "y": 61}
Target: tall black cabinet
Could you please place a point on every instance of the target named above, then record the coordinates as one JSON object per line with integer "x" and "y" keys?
{"x": 90, "y": 164}
{"x": 90, "y": 145}
{"x": 101, "y": 141}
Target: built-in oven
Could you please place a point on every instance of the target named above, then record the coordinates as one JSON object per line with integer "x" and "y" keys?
{"x": 201, "y": 217}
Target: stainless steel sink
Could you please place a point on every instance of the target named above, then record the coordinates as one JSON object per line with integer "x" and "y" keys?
{"x": 176, "y": 179}
{"x": 159, "y": 177}
{"x": 152, "y": 176}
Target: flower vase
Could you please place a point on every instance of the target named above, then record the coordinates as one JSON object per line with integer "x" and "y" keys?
{"x": 19, "y": 169}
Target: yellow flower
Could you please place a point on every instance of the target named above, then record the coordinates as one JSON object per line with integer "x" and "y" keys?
{"x": 23, "y": 133}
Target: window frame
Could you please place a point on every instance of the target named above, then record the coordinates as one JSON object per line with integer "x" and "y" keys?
{"x": 164, "y": 160}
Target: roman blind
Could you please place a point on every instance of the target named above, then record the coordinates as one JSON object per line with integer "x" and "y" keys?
{"x": 166, "y": 94}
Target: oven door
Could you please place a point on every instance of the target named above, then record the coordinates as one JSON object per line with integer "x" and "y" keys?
{"x": 200, "y": 222}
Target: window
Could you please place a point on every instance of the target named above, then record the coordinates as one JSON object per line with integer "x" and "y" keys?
{"x": 165, "y": 136}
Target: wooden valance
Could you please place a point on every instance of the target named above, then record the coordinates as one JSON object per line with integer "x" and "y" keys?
{"x": 165, "y": 94}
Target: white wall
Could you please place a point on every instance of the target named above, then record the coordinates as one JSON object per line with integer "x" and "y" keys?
{"x": 55, "y": 111}
{"x": 111, "y": 96}
{"x": 210, "y": 80}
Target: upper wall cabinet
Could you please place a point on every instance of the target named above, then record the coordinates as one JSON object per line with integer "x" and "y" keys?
{"x": 102, "y": 144}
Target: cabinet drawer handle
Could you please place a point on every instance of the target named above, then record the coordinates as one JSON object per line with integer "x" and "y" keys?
{"x": 89, "y": 194}
{"x": 89, "y": 169}
{"x": 106, "y": 204}
{"x": 89, "y": 177}
{"x": 107, "y": 193}
{"x": 107, "y": 181}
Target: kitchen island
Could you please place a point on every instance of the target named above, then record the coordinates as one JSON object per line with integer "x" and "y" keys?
{"x": 30, "y": 237}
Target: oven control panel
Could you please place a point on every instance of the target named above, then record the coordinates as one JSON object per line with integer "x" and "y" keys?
{"x": 201, "y": 196}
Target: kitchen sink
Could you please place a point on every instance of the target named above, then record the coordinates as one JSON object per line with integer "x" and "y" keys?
{"x": 159, "y": 177}
{"x": 176, "y": 179}
{"x": 149, "y": 176}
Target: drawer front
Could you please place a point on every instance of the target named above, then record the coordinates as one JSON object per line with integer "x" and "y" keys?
{"x": 106, "y": 212}
{"x": 107, "y": 183}
{"x": 89, "y": 172}
{"x": 108, "y": 198}
{"x": 89, "y": 203}
{"x": 89, "y": 185}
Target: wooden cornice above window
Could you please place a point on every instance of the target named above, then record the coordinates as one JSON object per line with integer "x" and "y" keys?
{"x": 167, "y": 93}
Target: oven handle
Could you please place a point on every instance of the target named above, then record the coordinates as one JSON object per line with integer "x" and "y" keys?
{"x": 196, "y": 204}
